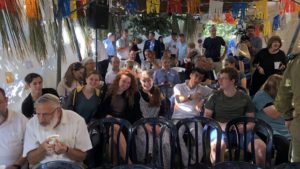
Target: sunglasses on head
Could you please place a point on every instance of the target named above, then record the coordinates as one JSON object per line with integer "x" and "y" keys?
{"x": 77, "y": 66}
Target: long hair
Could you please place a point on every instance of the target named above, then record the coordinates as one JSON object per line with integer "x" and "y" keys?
{"x": 156, "y": 96}
{"x": 130, "y": 92}
{"x": 272, "y": 84}
{"x": 69, "y": 76}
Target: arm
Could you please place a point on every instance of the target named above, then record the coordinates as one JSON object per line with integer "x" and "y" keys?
{"x": 38, "y": 154}
{"x": 224, "y": 53}
{"x": 244, "y": 83}
{"x": 272, "y": 112}
{"x": 19, "y": 162}
{"x": 208, "y": 113}
{"x": 72, "y": 153}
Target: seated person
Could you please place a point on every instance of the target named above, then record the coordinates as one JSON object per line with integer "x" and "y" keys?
{"x": 206, "y": 64}
{"x": 12, "y": 129}
{"x": 55, "y": 134}
{"x": 189, "y": 99}
{"x": 229, "y": 103}
{"x": 165, "y": 78}
{"x": 231, "y": 62}
{"x": 151, "y": 62}
{"x": 35, "y": 84}
{"x": 265, "y": 110}
{"x": 115, "y": 68}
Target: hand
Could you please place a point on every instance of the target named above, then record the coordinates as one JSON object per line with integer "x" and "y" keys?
{"x": 287, "y": 124}
{"x": 282, "y": 67}
{"x": 60, "y": 148}
{"x": 196, "y": 96}
{"x": 199, "y": 105}
{"x": 49, "y": 148}
{"x": 260, "y": 70}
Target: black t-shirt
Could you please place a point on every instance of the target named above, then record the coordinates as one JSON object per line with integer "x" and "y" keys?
{"x": 213, "y": 47}
{"x": 28, "y": 103}
{"x": 267, "y": 61}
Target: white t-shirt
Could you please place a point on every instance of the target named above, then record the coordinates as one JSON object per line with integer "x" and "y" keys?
{"x": 187, "y": 109}
{"x": 12, "y": 137}
{"x": 110, "y": 77}
{"x": 123, "y": 43}
{"x": 72, "y": 131}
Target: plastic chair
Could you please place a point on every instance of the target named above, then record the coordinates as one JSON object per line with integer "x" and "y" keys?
{"x": 237, "y": 140}
{"x": 156, "y": 148}
{"x": 235, "y": 165}
{"x": 133, "y": 166}
{"x": 60, "y": 165}
{"x": 206, "y": 125}
{"x": 105, "y": 148}
{"x": 288, "y": 166}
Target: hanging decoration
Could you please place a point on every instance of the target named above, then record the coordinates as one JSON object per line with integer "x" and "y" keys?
{"x": 37, "y": 31}
{"x": 215, "y": 10}
{"x": 11, "y": 29}
{"x": 47, "y": 11}
{"x": 9, "y": 77}
{"x": 257, "y": 30}
{"x": 239, "y": 10}
{"x": 276, "y": 23}
{"x": 262, "y": 9}
{"x": 174, "y": 6}
{"x": 73, "y": 7}
{"x": 9, "y": 5}
{"x": 64, "y": 7}
{"x": 131, "y": 6}
{"x": 80, "y": 6}
{"x": 32, "y": 9}
{"x": 153, "y": 6}
{"x": 267, "y": 28}
{"x": 192, "y": 6}
{"x": 229, "y": 18}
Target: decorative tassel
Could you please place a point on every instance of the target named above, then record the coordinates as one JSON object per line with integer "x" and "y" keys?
{"x": 81, "y": 12}
{"x": 262, "y": 9}
{"x": 215, "y": 10}
{"x": 267, "y": 28}
{"x": 32, "y": 9}
{"x": 64, "y": 7}
{"x": 73, "y": 7}
{"x": 9, "y": 5}
{"x": 276, "y": 23}
{"x": 174, "y": 6}
{"x": 153, "y": 6}
{"x": 192, "y": 6}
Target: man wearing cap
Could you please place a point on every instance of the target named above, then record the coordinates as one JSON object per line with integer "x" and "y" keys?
{"x": 288, "y": 103}
{"x": 212, "y": 46}
{"x": 55, "y": 134}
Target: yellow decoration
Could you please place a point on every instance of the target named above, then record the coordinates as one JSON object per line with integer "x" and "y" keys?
{"x": 32, "y": 8}
{"x": 153, "y": 6}
{"x": 262, "y": 9}
{"x": 192, "y": 6}
{"x": 9, "y": 77}
{"x": 73, "y": 7}
{"x": 267, "y": 28}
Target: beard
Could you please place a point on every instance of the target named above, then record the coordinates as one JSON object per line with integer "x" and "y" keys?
{"x": 53, "y": 123}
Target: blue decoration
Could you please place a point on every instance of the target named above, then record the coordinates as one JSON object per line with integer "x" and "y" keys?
{"x": 64, "y": 7}
{"x": 131, "y": 6}
{"x": 239, "y": 10}
{"x": 276, "y": 23}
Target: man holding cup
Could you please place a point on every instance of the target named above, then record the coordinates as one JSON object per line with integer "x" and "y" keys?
{"x": 55, "y": 134}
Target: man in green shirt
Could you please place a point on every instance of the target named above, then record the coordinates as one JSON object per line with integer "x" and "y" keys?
{"x": 229, "y": 103}
{"x": 288, "y": 103}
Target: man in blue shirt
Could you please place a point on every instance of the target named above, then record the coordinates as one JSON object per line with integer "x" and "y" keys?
{"x": 110, "y": 46}
{"x": 165, "y": 78}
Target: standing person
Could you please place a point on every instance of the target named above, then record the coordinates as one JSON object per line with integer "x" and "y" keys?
{"x": 55, "y": 134}
{"x": 287, "y": 102}
{"x": 162, "y": 45}
{"x": 268, "y": 61}
{"x": 102, "y": 59}
{"x": 84, "y": 100}
{"x": 212, "y": 46}
{"x": 189, "y": 99}
{"x": 34, "y": 82}
{"x": 255, "y": 42}
{"x": 134, "y": 47}
{"x": 172, "y": 46}
{"x": 12, "y": 130}
{"x": 165, "y": 78}
{"x": 265, "y": 110}
{"x": 227, "y": 104}
{"x": 110, "y": 76}
{"x": 123, "y": 46}
{"x": 73, "y": 78}
{"x": 109, "y": 44}
{"x": 182, "y": 48}
{"x": 153, "y": 45}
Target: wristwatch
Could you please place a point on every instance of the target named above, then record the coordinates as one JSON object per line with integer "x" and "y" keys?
{"x": 190, "y": 97}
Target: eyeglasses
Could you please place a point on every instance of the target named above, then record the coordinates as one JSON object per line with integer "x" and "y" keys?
{"x": 77, "y": 66}
{"x": 47, "y": 114}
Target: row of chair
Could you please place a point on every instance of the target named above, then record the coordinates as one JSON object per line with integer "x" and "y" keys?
{"x": 160, "y": 134}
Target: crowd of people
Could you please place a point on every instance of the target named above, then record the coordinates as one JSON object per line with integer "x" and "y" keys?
{"x": 175, "y": 80}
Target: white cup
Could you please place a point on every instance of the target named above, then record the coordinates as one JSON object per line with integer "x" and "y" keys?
{"x": 276, "y": 65}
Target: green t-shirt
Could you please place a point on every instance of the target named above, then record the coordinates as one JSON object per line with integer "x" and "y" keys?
{"x": 227, "y": 108}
